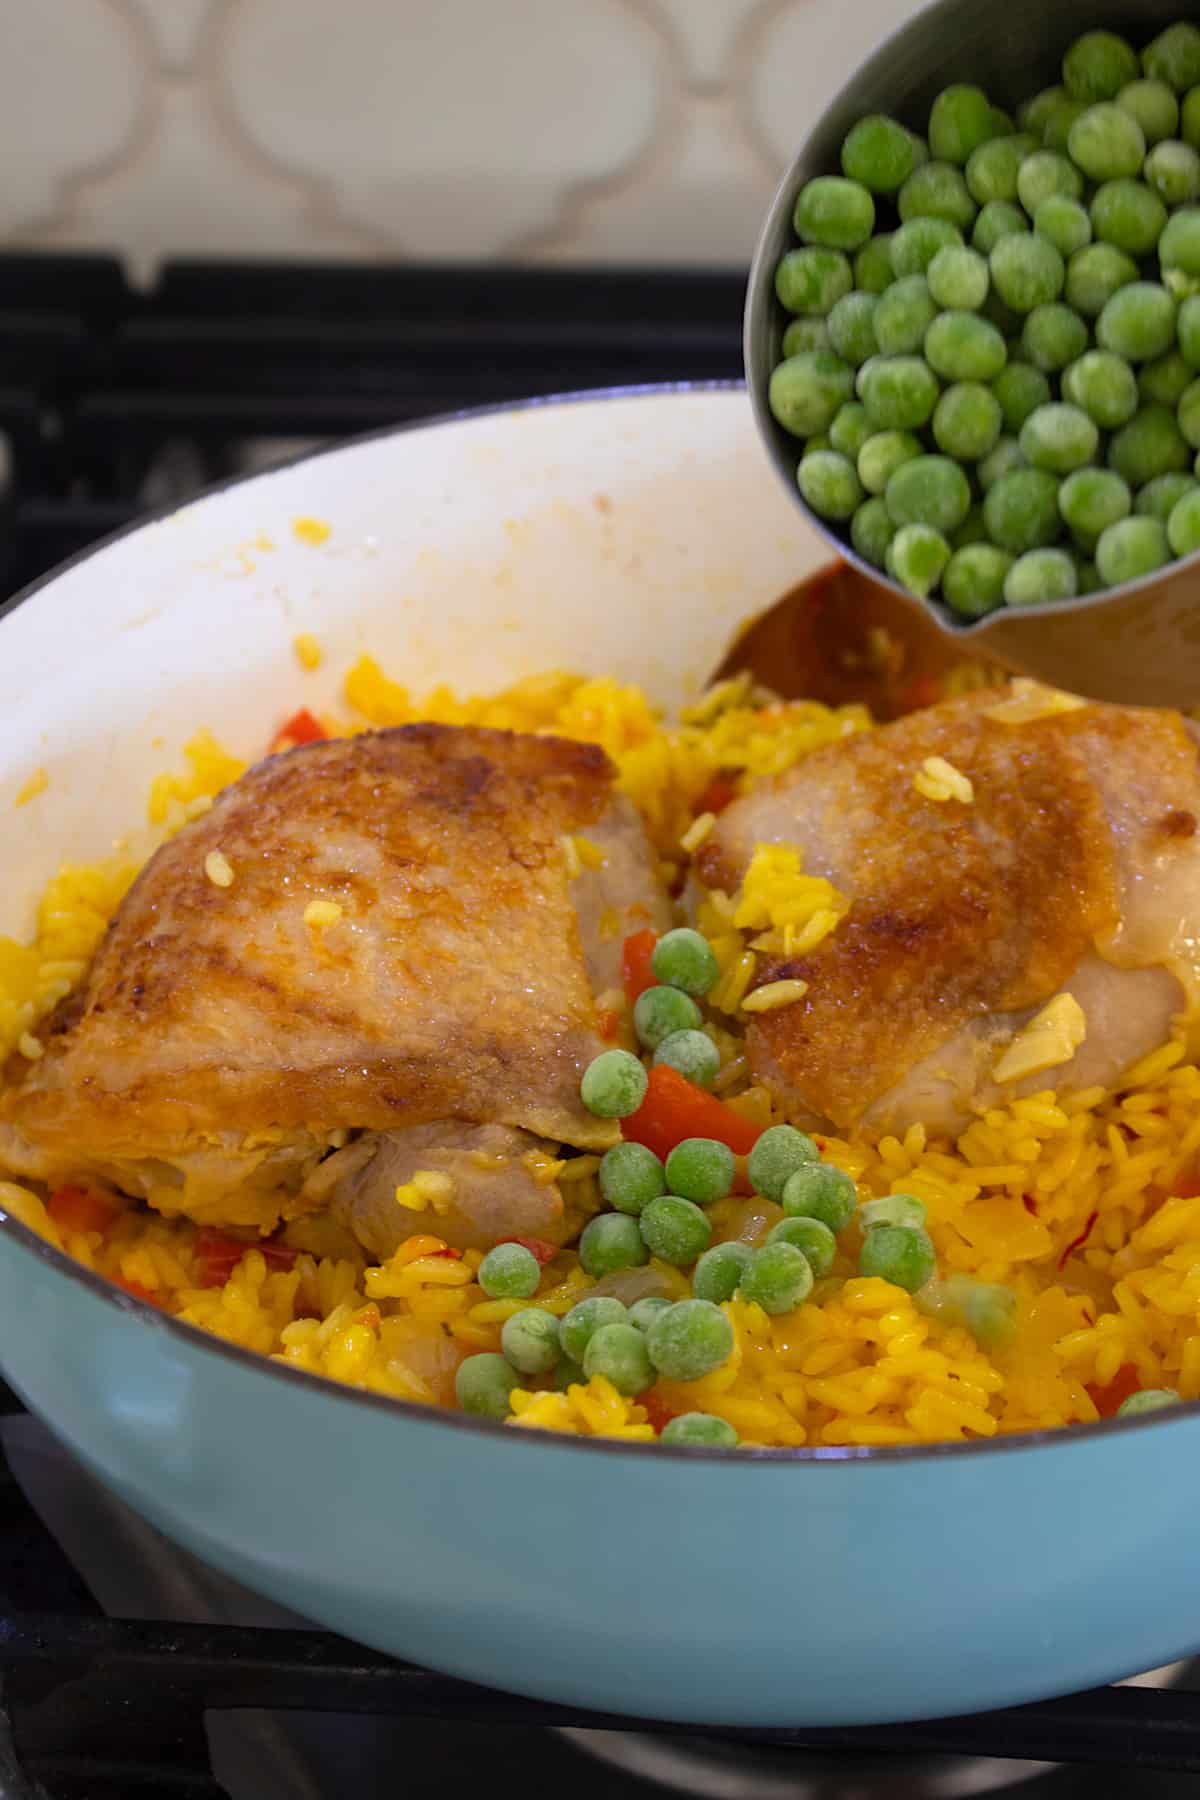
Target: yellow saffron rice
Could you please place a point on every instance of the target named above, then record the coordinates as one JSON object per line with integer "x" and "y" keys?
{"x": 1089, "y": 1208}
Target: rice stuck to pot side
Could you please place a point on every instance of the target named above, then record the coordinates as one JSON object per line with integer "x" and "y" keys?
{"x": 1088, "y": 1209}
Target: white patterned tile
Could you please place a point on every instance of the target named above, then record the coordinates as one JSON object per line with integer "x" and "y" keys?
{"x": 449, "y": 127}
{"x": 71, "y": 99}
{"x": 176, "y": 27}
{"x": 191, "y": 193}
{"x": 802, "y": 56}
{"x": 706, "y": 31}
{"x": 701, "y": 201}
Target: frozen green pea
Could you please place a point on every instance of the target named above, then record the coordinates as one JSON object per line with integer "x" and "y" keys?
{"x": 699, "y": 1428}
{"x": 530, "y": 1341}
{"x": 805, "y": 334}
{"x": 834, "y": 213}
{"x": 1020, "y": 388}
{"x": 684, "y": 959}
{"x": 1098, "y": 65}
{"x": 1034, "y": 115}
{"x": 609, "y": 1242}
{"x": 805, "y": 392}
{"x": 1151, "y": 444}
{"x": 991, "y": 172}
{"x": 985, "y": 1308}
{"x": 960, "y": 346}
{"x": 1045, "y": 173}
{"x": 958, "y": 278}
{"x": 1001, "y": 460}
{"x": 898, "y": 1254}
{"x": 1183, "y": 526}
{"x": 813, "y": 1240}
{"x": 692, "y": 1054}
{"x": 900, "y": 392}
{"x": 818, "y": 1190}
{"x": 1053, "y": 336}
{"x": 690, "y": 1340}
{"x": 509, "y": 1272}
{"x": 819, "y": 442}
{"x": 892, "y": 1209}
{"x": 967, "y": 421}
{"x": 613, "y": 1085}
{"x": 1090, "y": 500}
{"x": 1154, "y": 107}
{"x": 1059, "y": 437}
{"x": 1089, "y": 578}
{"x": 1147, "y": 1400}
{"x": 778, "y": 1278}
{"x": 1129, "y": 215}
{"x": 658, "y": 1011}
{"x": 1105, "y": 387}
{"x": 879, "y": 154}
{"x": 812, "y": 281}
{"x": 1188, "y": 414}
{"x": 973, "y": 583}
{"x": 929, "y": 490}
{"x": 630, "y": 1175}
{"x": 903, "y": 315}
{"x": 483, "y": 1384}
{"x": 719, "y": 1271}
{"x": 937, "y": 190}
{"x": 1187, "y": 325}
{"x": 830, "y": 484}
{"x": 959, "y": 121}
{"x": 1039, "y": 577}
{"x": 1057, "y": 134}
{"x": 1130, "y": 549}
{"x": 998, "y": 219}
{"x": 914, "y": 246}
{"x": 1094, "y": 275}
{"x": 1003, "y": 124}
{"x": 567, "y": 1373}
{"x": 1158, "y": 499}
{"x": 1173, "y": 171}
{"x": 700, "y": 1169}
{"x": 1165, "y": 381}
{"x": 1179, "y": 246}
{"x": 872, "y": 530}
{"x": 852, "y": 329}
{"x": 619, "y": 1354}
{"x": 971, "y": 531}
{"x": 917, "y": 557}
{"x": 1027, "y": 271}
{"x": 643, "y": 1312}
{"x": 1189, "y": 118}
{"x": 873, "y": 271}
{"x": 1174, "y": 57}
{"x": 778, "y": 1152}
{"x": 1021, "y": 510}
{"x": 1064, "y": 223}
{"x": 586, "y": 1317}
{"x": 850, "y": 429}
{"x": 1106, "y": 142}
{"x": 1138, "y": 323}
{"x": 882, "y": 455}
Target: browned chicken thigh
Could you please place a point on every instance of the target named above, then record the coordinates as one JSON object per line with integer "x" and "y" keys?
{"x": 363, "y": 936}
{"x": 1073, "y": 870}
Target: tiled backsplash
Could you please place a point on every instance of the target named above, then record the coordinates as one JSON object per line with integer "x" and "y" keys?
{"x": 554, "y": 130}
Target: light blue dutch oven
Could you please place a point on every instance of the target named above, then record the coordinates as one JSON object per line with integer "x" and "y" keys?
{"x": 626, "y": 534}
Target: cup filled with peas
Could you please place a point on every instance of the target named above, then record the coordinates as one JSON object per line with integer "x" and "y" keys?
{"x": 973, "y": 321}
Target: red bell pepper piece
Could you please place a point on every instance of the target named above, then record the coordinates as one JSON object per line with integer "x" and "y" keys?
{"x": 536, "y": 1246}
{"x": 636, "y": 973}
{"x": 301, "y": 728}
{"x": 720, "y": 793}
{"x": 675, "y": 1108}
{"x": 608, "y": 1020}
{"x": 80, "y": 1209}
{"x": 1108, "y": 1398}
{"x": 657, "y": 1412}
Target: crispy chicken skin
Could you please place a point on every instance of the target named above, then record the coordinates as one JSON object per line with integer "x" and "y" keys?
{"x": 1076, "y": 868}
{"x": 221, "y": 1042}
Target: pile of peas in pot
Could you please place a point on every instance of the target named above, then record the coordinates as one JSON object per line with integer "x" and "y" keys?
{"x": 993, "y": 355}
{"x": 656, "y": 1208}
